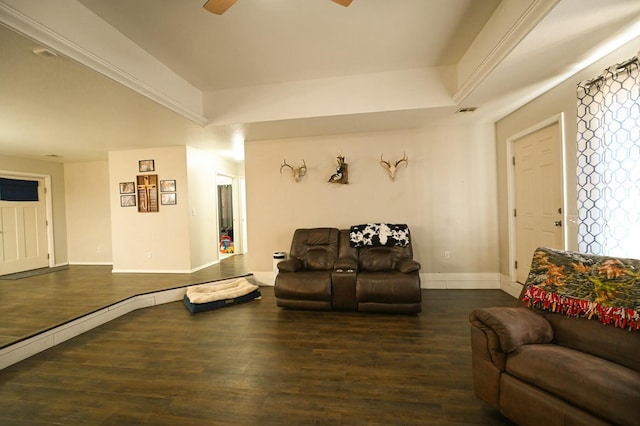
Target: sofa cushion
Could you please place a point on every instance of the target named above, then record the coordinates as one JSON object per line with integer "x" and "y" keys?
{"x": 529, "y": 405}
{"x": 593, "y": 337}
{"x": 605, "y": 389}
{"x": 316, "y": 248}
{"x": 319, "y": 258}
{"x": 388, "y": 287}
{"x": 310, "y": 285}
{"x": 377, "y": 259}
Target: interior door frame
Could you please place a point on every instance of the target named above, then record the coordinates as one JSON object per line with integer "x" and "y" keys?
{"x": 239, "y": 210}
{"x": 48, "y": 204}
{"x": 511, "y": 194}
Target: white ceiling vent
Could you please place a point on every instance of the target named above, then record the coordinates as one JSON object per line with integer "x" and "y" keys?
{"x": 466, "y": 110}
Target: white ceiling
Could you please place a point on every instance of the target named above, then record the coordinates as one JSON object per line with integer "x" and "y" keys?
{"x": 274, "y": 41}
{"x": 170, "y": 73}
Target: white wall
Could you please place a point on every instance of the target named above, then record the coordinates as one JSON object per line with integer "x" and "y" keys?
{"x": 88, "y": 212}
{"x": 447, "y": 195}
{"x": 561, "y": 99}
{"x": 202, "y": 204}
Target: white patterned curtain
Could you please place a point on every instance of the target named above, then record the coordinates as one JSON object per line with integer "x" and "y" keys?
{"x": 609, "y": 162}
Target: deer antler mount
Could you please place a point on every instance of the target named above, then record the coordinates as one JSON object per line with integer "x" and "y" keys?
{"x": 342, "y": 172}
{"x": 391, "y": 168}
{"x": 298, "y": 172}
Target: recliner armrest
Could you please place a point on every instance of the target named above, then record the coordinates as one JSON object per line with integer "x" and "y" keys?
{"x": 346, "y": 264}
{"x": 290, "y": 265}
{"x": 407, "y": 265}
{"x": 513, "y": 326}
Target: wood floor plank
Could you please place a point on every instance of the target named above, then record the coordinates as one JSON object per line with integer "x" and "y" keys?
{"x": 256, "y": 364}
{"x": 31, "y": 305}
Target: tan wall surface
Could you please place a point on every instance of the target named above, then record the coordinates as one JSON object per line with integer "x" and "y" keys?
{"x": 447, "y": 194}
{"x": 559, "y": 100}
{"x": 150, "y": 242}
{"x": 88, "y": 212}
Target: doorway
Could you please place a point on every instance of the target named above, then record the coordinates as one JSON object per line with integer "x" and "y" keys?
{"x": 225, "y": 218}
{"x": 24, "y": 234}
{"x": 537, "y": 197}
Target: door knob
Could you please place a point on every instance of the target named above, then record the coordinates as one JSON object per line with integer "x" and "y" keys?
{"x": 557, "y": 223}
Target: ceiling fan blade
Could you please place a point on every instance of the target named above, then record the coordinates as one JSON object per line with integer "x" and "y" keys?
{"x": 344, "y": 3}
{"x": 218, "y": 6}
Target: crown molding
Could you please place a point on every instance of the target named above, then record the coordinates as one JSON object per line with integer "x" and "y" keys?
{"x": 513, "y": 35}
{"x": 41, "y": 34}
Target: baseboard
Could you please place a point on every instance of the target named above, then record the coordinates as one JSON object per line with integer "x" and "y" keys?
{"x": 265, "y": 278}
{"x": 151, "y": 271}
{"x": 509, "y": 287}
{"x": 31, "y": 345}
{"x": 198, "y": 268}
{"x": 470, "y": 280}
{"x": 146, "y": 271}
{"x": 164, "y": 271}
{"x": 461, "y": 281}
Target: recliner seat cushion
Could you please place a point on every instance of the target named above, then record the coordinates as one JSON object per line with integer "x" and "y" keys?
{"x": 311, "y": 285}
{"x": 388, "y": 287}
{"x": 605, "y": 389}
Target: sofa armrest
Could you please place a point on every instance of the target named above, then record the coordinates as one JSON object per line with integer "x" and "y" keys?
{"x": 290, "y": 265}
{"x": 407, "y": 266}
{"x": 513, "y": 326}
{"x": 343, "y": 264}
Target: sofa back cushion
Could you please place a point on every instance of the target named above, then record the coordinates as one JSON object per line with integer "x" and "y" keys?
{"x": 560, "y": 288}
{"x": 592, "y": 337}
{"x": 382, "y": 258}
{"x": 316, "y": 248}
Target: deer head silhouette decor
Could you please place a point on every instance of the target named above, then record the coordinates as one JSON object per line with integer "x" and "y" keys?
{"x": 298, "y": 172}
{"x": 391, "y": 168}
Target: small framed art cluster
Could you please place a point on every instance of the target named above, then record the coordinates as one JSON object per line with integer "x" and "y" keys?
{"x": 168, "y": 192}
{"x": 147, "y": 192}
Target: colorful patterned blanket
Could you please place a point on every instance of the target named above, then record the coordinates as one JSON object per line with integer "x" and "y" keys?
{"x": 585, "y": 285}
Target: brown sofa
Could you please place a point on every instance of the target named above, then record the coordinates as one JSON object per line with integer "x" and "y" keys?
{"x": 544, "y": 362}
{"x": 326, "y": 272}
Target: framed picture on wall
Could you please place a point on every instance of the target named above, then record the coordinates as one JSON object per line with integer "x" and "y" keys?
{"x": 127, "y": 187}
{"x": 168, "y": 198}
{"x": 128, "y": 200}
{"x": 146, "y": 166}
{"x": 147, "y": 187}
{"x": 167, "y": 186}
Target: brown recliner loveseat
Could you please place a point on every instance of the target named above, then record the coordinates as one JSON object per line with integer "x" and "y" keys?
{"x": 544, "y": 362}
{"x": 331, "y": 269}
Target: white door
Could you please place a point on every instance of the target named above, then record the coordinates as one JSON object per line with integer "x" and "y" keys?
{"x": 538, "y": 195}
{"x": 23, "y": 234}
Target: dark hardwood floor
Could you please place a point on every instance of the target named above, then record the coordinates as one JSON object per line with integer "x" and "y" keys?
{"x": 31, "y": 305}
{"x": 256, "y": 364}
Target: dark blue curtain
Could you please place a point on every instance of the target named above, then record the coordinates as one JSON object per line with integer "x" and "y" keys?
{"x": 18, "y": 190}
